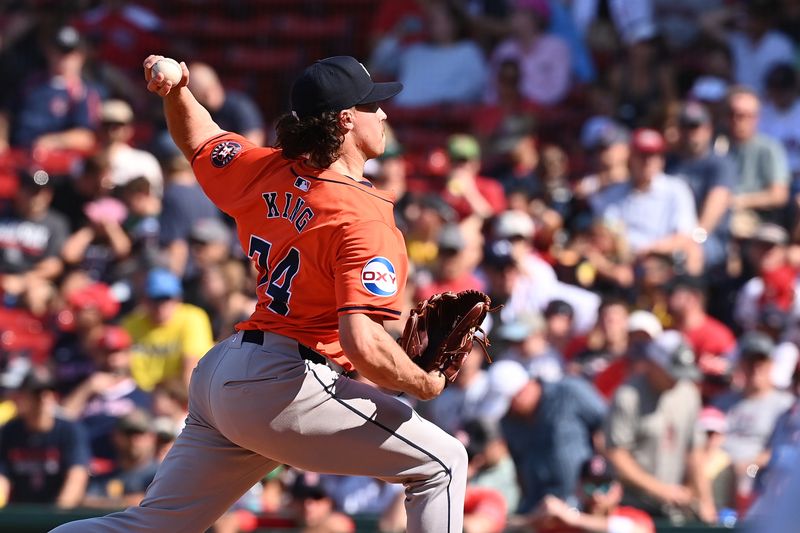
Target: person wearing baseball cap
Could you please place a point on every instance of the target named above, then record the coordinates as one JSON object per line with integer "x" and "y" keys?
{"x": 709, "y": 175}
{"x": 752, "y": 411}
{"x": 656, "y": 210}
{"x": 273, "y": 392}
{"x": 57, "y": 111}
{"x": 110, "y": 390}
{"x": 653, "y": 441}
{"x": 544, "y": 424}
{"x": 44, "y": 458}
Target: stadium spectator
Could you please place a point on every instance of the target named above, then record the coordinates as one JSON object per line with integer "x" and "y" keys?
{"x": 184, "y": 204}
{"x": 426, "y": 216}
{"x": 527, "y": 344}
{"x": 599, "y": 495}
{"x": 58, "y": 111}
{"x": 126, "y": 162}
{"x": 711, "y": 178}
{"x": 642, "y": 83}
{"x": 549, "y": 428}
{"x": 135, "y": 446}
{"x": 454, "y": 266}
{"x": 651, "y": 436}
{"x": 170, "y": 405}
{"x": 32, "y": 236}
{"x": 88, "y": 305}
{"x": 545, "y": 63}
{"x": 774, "y": 282}
{"x": 490, "y": 463}
{"x": 169, "y": 336}
{"x": 526, "y": 284}
{"x": 754, "y": 45}
{"x": 780, "y": 116}
{"x": 231, "y": 110}
{"x": 751, "y": 412}
{"x": 717, "y": 467}
{"x": 608, "y": 145}
{"x": 642, "y": 327}
{"x": 601, "y": 346}
{"x": 107, "y": 395}
{"x": 496, "y": 118}
{"x": 312, "y": 506}
{"x": 91, "y": 182}
{"x": 762, "y": 183}
{"x": 461, "y": 402}
{"x": 99, "y": 246}
{"x": 142, "y": 224}
{"x": 559, "y": 318}
{"x": 781, "y": 449}
{"x": 43, "y": 458}
{"x": 706, "y": 336}
{"x": 656, "y": 211}
{"x": 122, "y": 32}
{"x": 514, "y": 156}
{"x": 446, "y": 69}
{"x": 469, "y": 193}
{"x": 597, "y": 258}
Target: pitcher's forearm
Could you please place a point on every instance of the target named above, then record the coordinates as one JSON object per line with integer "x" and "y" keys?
{"x": 189, "y": 123}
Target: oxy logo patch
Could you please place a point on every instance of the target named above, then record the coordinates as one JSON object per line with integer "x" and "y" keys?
{"x": 379, "y": 278}
{"x": 224, "y": 152}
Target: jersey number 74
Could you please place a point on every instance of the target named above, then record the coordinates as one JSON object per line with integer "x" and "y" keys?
{"x": 279, "y": 281}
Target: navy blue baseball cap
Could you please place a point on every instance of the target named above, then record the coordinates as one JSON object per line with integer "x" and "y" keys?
{"x": 337, "y": 83}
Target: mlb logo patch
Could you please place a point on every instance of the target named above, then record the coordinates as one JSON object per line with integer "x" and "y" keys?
{"x": 224, "y": 152}
{"x": 302, "y": 184}
{"x": 379, "y": 278}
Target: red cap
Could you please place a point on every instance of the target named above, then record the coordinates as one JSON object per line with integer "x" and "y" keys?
{"x": 114, "y": 338}
{"x": 648, "y": 141}
{"x": 96, "y": 295}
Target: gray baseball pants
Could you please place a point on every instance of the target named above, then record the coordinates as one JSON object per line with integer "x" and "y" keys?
{"x": 253, "y": 407}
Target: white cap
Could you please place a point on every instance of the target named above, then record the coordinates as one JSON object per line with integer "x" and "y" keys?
{"x": 506, "y": 379}
{"x": 513, "y": 224}
{"x": 645, "y": 321}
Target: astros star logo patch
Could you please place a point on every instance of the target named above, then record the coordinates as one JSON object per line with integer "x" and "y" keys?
{"x": 224, "y": 152}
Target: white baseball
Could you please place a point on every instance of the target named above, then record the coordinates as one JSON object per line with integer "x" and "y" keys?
{"x": 170, "y": 68}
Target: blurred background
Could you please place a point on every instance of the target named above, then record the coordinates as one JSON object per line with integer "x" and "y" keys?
{"x": 623, "y": 175}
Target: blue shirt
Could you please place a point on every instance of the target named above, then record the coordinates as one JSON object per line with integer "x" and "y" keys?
{"x": 238, "y": 114}
{"x": 550, "y": 446}
{"x": 53, "y": 106}
{"x": 183, "y": 206}
{"x": 103, "y": 411}
{"x": 36, "y": 463}
{"x": 665, "y": 208}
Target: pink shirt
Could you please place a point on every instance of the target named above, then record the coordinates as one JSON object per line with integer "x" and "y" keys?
{"x": 544, "y": 69}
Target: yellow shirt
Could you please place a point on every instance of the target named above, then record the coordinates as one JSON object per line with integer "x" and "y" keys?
{"x": 158, "y": 352}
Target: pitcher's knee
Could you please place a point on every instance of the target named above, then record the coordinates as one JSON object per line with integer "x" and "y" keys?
{"x": 453, "y": 455}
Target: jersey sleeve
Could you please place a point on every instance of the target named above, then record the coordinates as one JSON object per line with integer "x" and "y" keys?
{"x": 370, "y": 270}
{"x": 225, "y": 164}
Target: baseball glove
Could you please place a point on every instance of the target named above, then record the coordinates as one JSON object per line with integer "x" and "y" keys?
{"x": 441, "y": 330}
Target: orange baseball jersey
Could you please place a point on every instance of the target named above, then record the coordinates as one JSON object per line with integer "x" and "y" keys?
{"x": 324, "y": 244}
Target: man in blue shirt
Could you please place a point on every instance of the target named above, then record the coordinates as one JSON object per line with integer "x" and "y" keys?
{"x": 711, "y": 179}
{"x": 549, "y": 428}
{"x": 59, "y": 111}
{"x": 43, "y": 458}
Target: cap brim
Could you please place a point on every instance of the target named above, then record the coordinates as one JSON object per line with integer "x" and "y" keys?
{"x": 381, "y": 92}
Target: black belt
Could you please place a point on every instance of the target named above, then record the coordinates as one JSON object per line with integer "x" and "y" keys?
{"x": 256, "y": 336}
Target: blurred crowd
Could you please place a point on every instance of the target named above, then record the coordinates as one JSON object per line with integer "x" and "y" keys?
{"x": 622, "y": 176}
